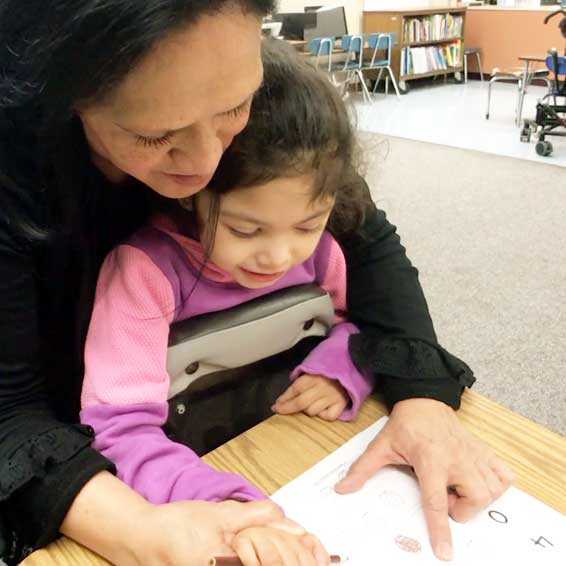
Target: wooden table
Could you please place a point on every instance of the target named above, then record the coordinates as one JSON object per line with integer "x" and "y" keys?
{"x": 281, "y": 448}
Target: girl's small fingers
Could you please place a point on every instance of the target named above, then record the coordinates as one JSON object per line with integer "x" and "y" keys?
{"x": 288, "y": 394}
{"x": 289, "y": 549}
{"x": 267, "y": 550}
{"x": 244, "y": 548}
{"x": 317, "y": 406}
{"x": 333, "y": 412}
{"x": 316, "y": 549}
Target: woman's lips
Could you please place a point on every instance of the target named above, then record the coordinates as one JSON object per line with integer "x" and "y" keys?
{"x": 264, "y": 277}
{"x": 189, "y": 181}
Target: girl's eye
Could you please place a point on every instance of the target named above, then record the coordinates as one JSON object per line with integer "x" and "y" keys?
{"x": 239, "y": 111}
{"x": 310, "y": 230}
{"x": 153, "y": 142}
{"x": 241, "y": 234}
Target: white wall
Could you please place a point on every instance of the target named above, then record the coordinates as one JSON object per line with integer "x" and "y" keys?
{"x": 354, "y": 9}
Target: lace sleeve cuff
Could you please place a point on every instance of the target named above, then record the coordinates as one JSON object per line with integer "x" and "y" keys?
{"x": 39, "y": 482}
{"x": 409, "y": 368}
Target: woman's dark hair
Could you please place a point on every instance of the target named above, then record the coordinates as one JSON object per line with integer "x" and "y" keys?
{"x": 58, "y": 55}
{"x": 55, "y": 56}
{"x": 298, "y": 125}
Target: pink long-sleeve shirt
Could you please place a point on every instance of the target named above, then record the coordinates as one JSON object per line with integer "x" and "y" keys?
{"x": 143, "y": 287}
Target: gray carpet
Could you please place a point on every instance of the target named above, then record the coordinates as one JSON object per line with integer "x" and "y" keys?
{"x": 488, "y": 235}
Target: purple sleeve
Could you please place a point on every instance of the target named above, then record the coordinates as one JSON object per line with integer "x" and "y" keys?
{"x": 161, "y": 470}
{"x": 332, "y": 360}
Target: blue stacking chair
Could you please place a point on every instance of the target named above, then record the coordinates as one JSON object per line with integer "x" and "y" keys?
{"x": 382, "y": 43}
{"x": 353, "y": 45}
{"x": 321, "y": 48}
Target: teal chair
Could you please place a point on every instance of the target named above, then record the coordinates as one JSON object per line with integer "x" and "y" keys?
{"x": 321, "y": 48}
{"x": 382, "y": 43}
{"x": 353, "y": 63}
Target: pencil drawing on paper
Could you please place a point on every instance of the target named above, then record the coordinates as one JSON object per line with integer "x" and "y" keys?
{"x": 408, "y": 544}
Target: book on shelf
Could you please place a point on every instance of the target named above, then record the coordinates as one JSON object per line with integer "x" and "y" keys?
{"x": 420, "y": 60}
{"x": 432, "y": 28}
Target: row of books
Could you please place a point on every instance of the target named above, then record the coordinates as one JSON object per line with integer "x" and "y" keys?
{"x": 432, "y": 28}
{"x": 418, "y": 60}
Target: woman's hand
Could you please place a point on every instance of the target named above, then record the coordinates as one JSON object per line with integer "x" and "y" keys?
{"x": 281, "y": 543}
{"x": 458, "y": 474}
{"x": 192, "y": 532}
{"x": 110, "y": 518}
{"x": 314, "y": 395}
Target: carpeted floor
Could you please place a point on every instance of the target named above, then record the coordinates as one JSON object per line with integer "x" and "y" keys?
{"x": 488, "y": 235}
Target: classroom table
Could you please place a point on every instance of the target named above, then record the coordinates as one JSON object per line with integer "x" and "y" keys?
{"x": 282, "y": 447}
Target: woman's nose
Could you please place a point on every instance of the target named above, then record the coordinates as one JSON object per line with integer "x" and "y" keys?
{"x": 198, "y": 151}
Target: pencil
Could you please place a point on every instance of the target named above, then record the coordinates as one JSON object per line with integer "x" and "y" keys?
{"x": 235, "y": 561}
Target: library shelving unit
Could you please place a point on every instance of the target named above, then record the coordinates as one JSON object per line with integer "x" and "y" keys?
{"x": 430, "y": 41}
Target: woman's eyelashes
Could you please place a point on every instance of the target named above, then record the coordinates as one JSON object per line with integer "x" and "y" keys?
{"x": 153, "y": 142}
{"x": 239, "y": 110}
{"x": 158, "y": 142}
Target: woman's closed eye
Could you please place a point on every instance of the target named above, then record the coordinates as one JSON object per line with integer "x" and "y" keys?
{"x": 153, "y": 142}
{"x": 241, "y": 110}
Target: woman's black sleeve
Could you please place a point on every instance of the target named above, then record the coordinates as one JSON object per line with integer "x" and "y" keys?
{"x": 397, "y": 342}
{"x": 44, "y": 463}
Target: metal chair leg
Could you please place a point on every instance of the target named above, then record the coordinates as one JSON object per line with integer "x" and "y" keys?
{"x": 520, "y": 100}
{"x": 479, "y": 66}
{"x": 489, "y": 96}
{"x": 365, "y": 92}
{"x": 378, "y": 79}
{"x": 394, "y": 82}
{"x": 465, "y": 68}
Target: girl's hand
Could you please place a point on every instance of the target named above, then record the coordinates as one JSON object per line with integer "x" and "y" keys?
{"x": 281, "y": 543}
{"x": 314, "y": 395}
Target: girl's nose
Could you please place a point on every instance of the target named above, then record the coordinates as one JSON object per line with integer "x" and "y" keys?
{"x": 276, "y": 257}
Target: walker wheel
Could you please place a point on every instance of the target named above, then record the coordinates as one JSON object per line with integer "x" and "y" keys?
{"x": 526, "y": 135}
{"x": 544, "y": 148}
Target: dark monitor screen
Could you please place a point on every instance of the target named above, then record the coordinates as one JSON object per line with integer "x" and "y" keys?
{"x": 330, "y": 22}
{"x": 296, "y": 24}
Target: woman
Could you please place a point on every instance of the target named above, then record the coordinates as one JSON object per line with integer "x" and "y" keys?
{"x": 101, "y": 100}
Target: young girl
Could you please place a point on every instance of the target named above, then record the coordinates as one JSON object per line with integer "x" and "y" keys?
{"x": 259, "y": 227}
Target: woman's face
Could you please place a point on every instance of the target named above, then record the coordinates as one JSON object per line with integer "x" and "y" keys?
{"x": 173, "y": 116}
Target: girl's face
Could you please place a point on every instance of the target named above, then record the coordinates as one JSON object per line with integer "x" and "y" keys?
{"x": 172, "y": 117}
{"x": 265, "y": 230}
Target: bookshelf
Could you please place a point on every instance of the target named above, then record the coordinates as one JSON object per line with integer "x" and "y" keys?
{"x": 430, "y": 41}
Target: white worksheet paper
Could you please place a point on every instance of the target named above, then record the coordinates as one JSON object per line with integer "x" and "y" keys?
{"x": 383, "y": 523}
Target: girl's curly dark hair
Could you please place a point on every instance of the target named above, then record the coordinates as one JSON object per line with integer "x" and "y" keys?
{"x": 298, "y": 124}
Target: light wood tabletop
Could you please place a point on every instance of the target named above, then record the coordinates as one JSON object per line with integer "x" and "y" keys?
{"x": 281, "y": 448}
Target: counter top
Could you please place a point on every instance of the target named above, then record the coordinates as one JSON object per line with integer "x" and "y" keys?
{"x": 516, "y": 8}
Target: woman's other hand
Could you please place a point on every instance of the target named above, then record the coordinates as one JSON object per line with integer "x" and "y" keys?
{"x": 458, "y": 474}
